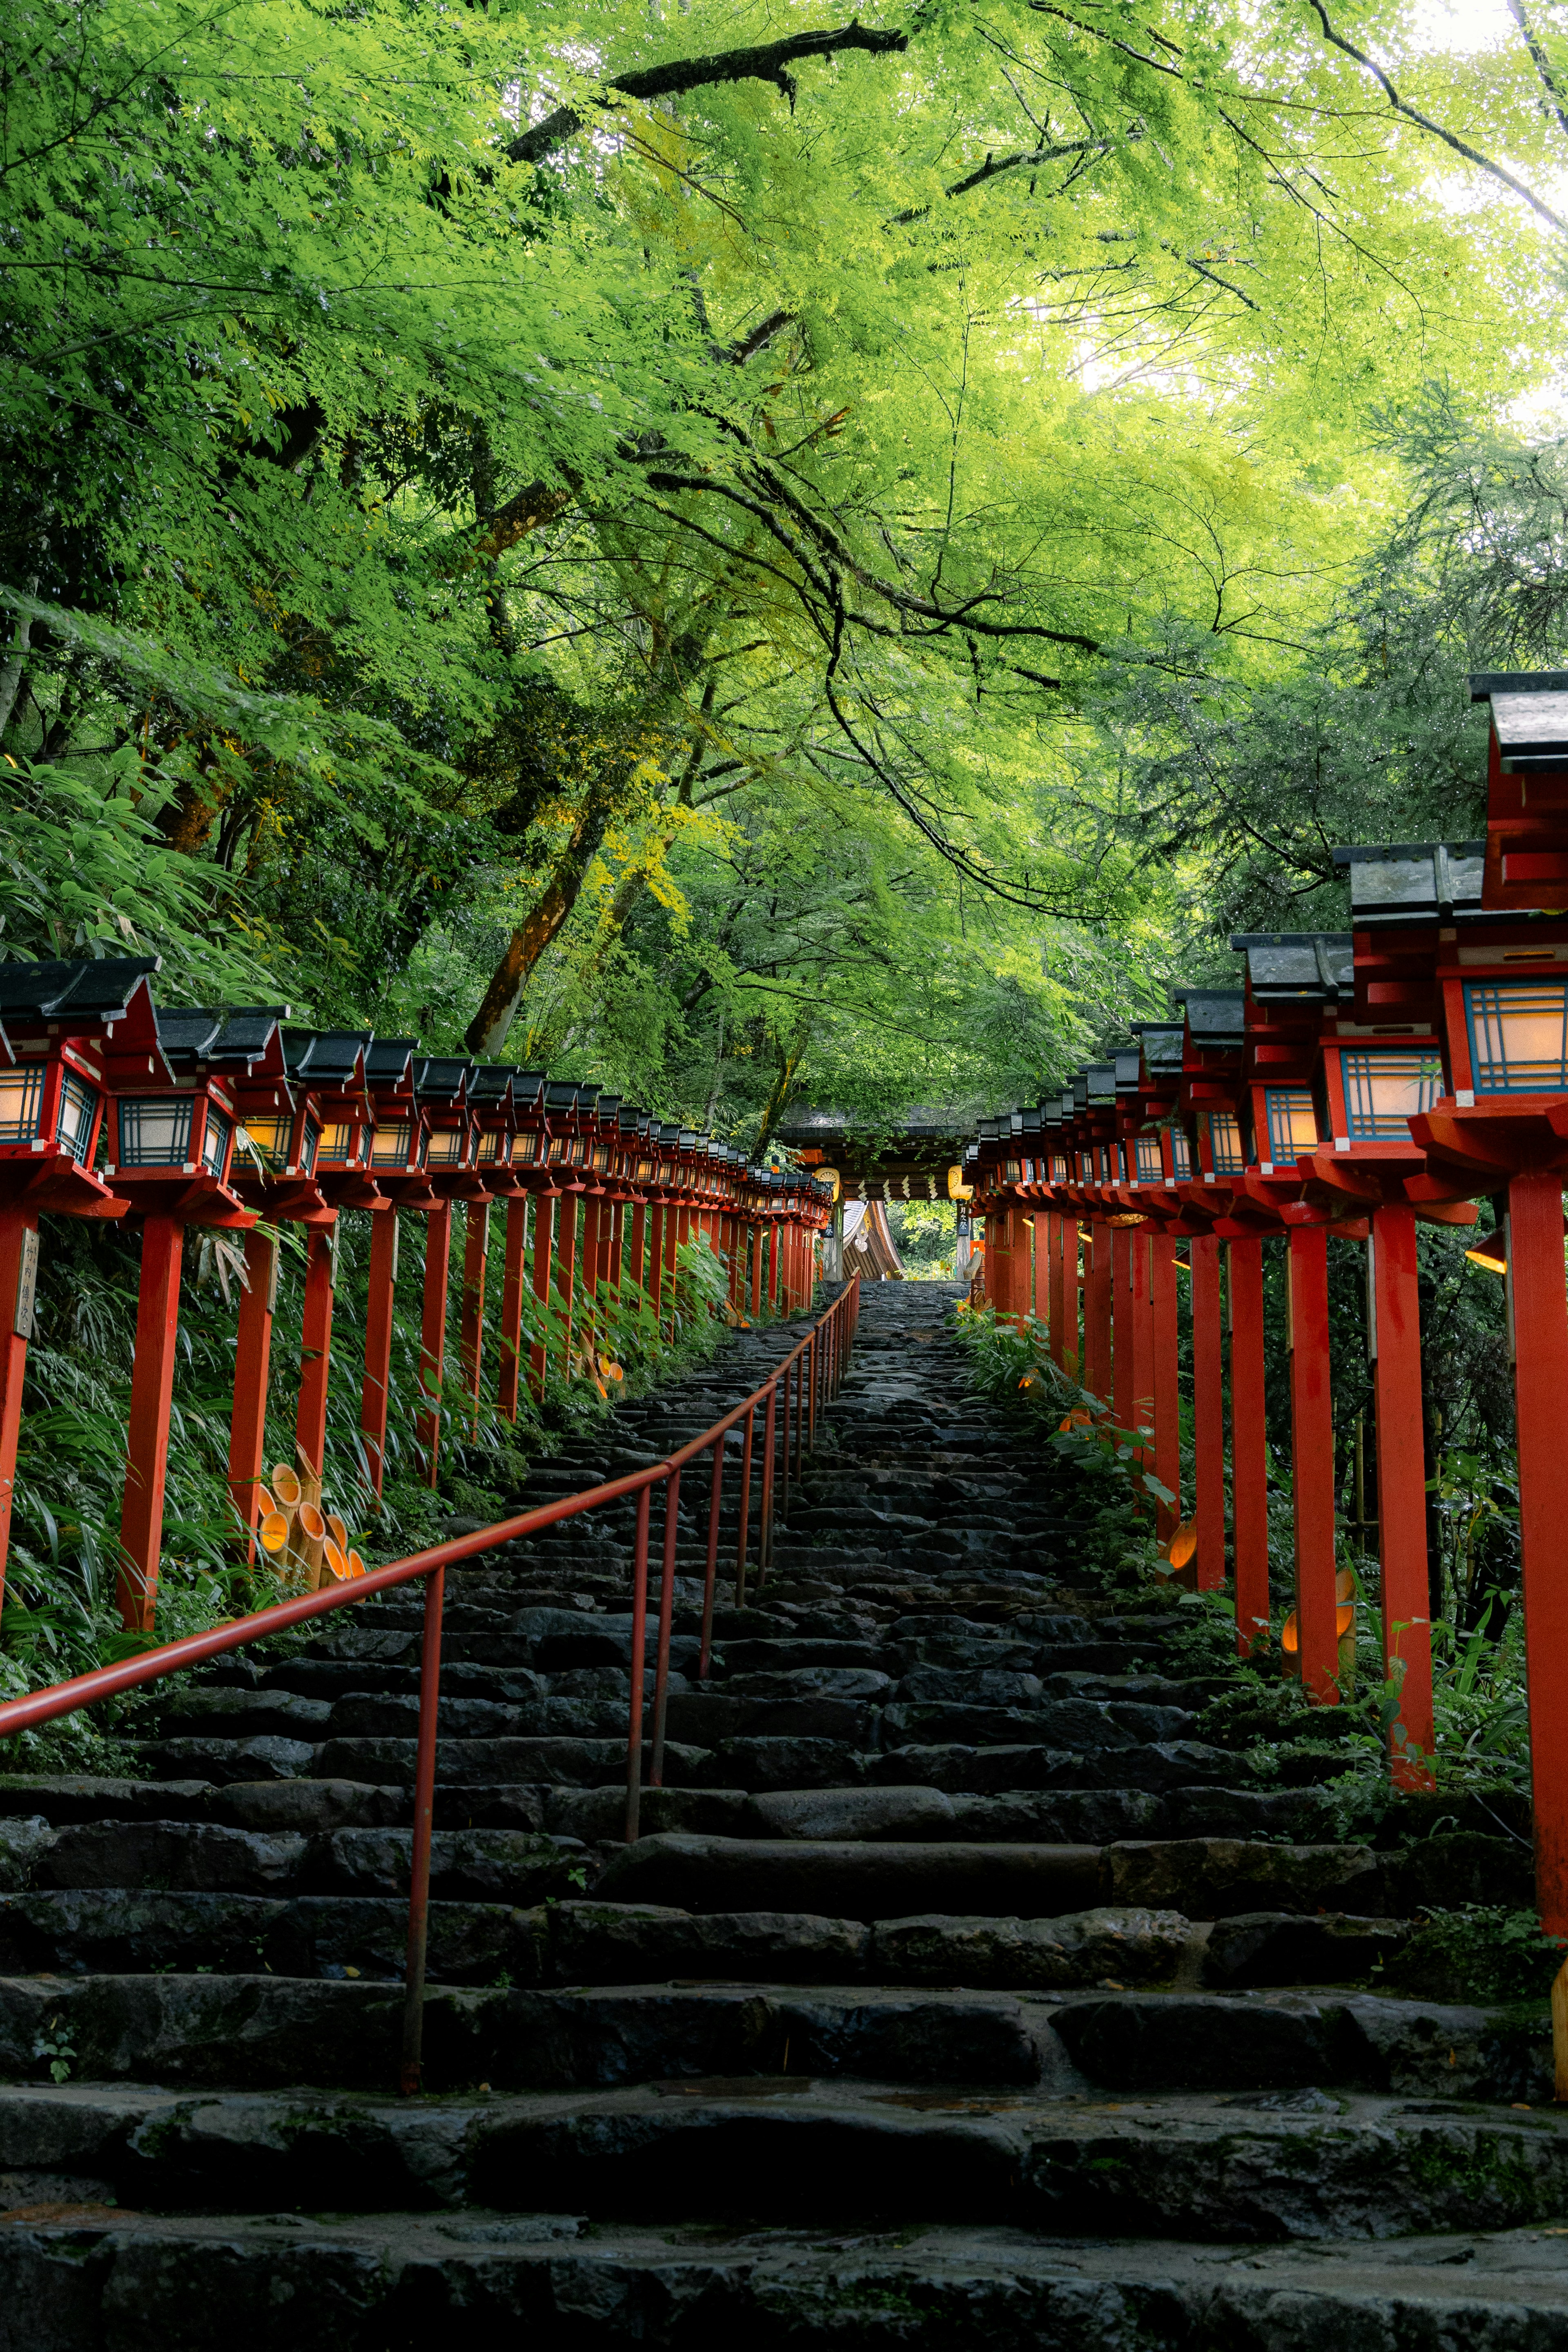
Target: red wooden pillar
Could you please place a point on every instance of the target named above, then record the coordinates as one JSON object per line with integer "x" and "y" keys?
{"x": 151, "y": 1394}
{"x": 375, "y": 1392}
{"x": 433, "y": 1332}
{"x": 1043, "y": 1269}
{"x": 316, "y": 1345}
{"x": 510, "y": 1342}
{"x": 590, "y": 1271}
{"x": 252, "y": 1364}
{"x": 1401, "y": 1490}
{"x": 1097, "y": 1305}
{"x": 656, "y": 1263}
{"x": 476, "y": 1251}
{"x": 639, "y": 1244}
{"x": 1057, "y": 1279}
{"x": 672, "y": 1240}
{"x": 1208, "y": 1413}
{"x": 1143, "y": 1337}
{"x": 1074, "y": 1292}
{"x": 1540, "y": 1318}
{"x": 18, "y": 1267}
{"x": 1312, "y": 1462}
{"x": 1002, "y": 1261}
{"x": 1166, "y": 1380}
{"x": 617, "y": 1247}
{"x": 565, "y": 1273}
{"x": 543, "y": 1206}
{"x": 759, "y": 1251}
{"x": 1248, "y": 1445}
{"x": 1122, "y": 1240}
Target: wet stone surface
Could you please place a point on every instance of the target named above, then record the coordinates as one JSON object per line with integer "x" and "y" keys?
{"x": 962, "y": 1992}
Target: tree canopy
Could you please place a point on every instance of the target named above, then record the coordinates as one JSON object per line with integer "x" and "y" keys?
{"x": 756, "y": 553}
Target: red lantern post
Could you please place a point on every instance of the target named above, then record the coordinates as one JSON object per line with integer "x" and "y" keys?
{"x": 396, "y": 1163}
{"x": 297, "y": 1160}
{"x": 169, "y": 1153}
{"x": 1422, "y": 926}
{"x": 57, "y": 1019}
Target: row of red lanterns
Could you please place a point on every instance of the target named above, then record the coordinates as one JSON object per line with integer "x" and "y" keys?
{"x": 112, "y": 1107}
{"x": 1358, "y": 1083}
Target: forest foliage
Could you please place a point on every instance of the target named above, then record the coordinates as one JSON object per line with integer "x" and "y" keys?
{"x": 759, "y": 556}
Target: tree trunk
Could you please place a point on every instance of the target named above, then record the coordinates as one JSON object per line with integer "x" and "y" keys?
{"x": 11, "y": 673}
{"x": 487, "y": 1032}
{"x": 790, "y": 1059}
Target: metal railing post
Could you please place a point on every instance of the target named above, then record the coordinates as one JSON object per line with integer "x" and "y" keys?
{"x": 666, "y": 1620}
{"x": 743, "y": 1540}
{"x": 710, "y": 1574}
{"x": 423, "y": 1813}
{"x": 765, "y": 1531}
{"x": 639, "y": 1643}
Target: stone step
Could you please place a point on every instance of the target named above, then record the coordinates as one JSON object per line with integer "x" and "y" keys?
{"x": 257, "y": 2032}
{"x": 1203, "y": 1878}
{"x": 803, "y": 2149}
{"x": 124, "y": 1931}
{"x": 485, "y": 1865}
{"x": 309, "y": 2284}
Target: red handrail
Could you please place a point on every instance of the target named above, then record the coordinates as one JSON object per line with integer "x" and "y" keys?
{"x": 18, "y": 1714}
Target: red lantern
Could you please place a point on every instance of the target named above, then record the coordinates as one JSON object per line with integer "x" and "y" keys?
{"x": 57, "y": 1021}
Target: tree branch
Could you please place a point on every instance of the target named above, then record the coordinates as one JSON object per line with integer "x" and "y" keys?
{"x": 1539, "y": 60}
{"x": 770, "y": 61}
{"x": 1425, "y": 122}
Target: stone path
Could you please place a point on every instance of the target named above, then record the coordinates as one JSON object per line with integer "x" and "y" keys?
{"x": 964, "y": 1992}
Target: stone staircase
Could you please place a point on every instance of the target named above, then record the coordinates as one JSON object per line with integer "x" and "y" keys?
{"x": 965, "y": 1989}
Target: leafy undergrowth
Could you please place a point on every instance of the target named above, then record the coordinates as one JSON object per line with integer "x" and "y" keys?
{"x": 1481, "y": 1727}
{"x": 1479, "y": 1953}
{"x": 61, "y": 1616}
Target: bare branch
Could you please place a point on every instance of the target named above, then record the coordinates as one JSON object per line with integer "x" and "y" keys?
{"x": 770, "y": 61}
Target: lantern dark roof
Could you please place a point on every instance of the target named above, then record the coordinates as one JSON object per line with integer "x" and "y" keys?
{"x": 440, "y": 1081}
{"x": 1129, "y": 1067}
{"x": 560, "y": 1096}
{"x": 528, "y": 1087}
{"x": 228, "y": 1034}
{"x": 608, "y": 1107}
{"x": 1216, "y": 1016}
{"x": 1031, "y": 1122}
{"x": 1095, "y": 1084}
{"x": 1162, "y": 1044}
{"x": 687, "y": 1137}
{"x": 1416, "y": 882}
{"x": 1298, "y": 967}
{"x": 491, "y": 1086}
{"x": 1529, "y": 715}
{"x": 90, "y": 991}
{"x": 388, "y": 1062}
{"x": 326, "y": 1056}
